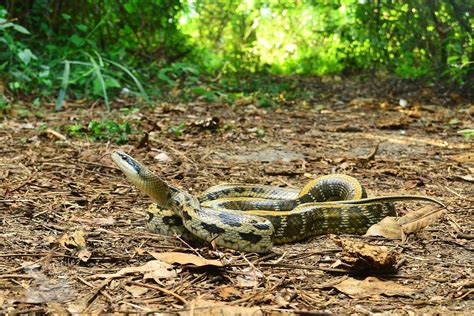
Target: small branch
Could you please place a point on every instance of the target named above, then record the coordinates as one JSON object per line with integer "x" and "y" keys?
{"x": 158, "y": 288}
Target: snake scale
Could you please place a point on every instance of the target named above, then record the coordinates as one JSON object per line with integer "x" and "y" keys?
{"x": 254, "y": 217}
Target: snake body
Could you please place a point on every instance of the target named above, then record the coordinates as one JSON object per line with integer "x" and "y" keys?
{"x": 254, "y": 217}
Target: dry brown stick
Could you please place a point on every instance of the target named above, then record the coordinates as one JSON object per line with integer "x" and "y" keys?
{"x": 372, "y": 154}
{"x": 289, "y": 266}
{"x": 15, "y": 276}
{"x": 158, "y": 288}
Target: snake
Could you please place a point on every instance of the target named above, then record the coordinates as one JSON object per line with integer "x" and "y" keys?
{"x": 252, "y": 217}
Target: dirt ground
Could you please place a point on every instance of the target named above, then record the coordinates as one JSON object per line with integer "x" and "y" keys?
{"x": 71, "y": 223}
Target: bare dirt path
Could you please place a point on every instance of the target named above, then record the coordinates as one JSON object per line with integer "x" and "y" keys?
{"x": 57, "y": 194}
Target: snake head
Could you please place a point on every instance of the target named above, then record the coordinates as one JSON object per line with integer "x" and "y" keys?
{"x": 143, "y": 178}
{"x": 126, "y": 163}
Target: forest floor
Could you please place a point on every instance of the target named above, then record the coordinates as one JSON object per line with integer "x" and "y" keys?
{"x": 73, "y": 240}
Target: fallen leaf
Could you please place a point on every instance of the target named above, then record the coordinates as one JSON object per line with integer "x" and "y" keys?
{"x": 362, "y": 256}
{"x": 84, "y": 254}
{"x": 387, "y": 227}
{"x": 155, "y": 266}
{"x": 249, "y": 278}
{"x": 159, "y": 273}
{"x": 135, "y": 290}
{"x": 419, "y": 219}
{"x": 226, "y": 292}
{"x": 468, "y": 178}
{"x": 281, "y": 301}
{"x": 184, "y": 259}
{"x": 162, "y": 158}
{"x": 372, "y": 286}
{"x": 393, "y": 228}
{"x": 75, "y": 241}
{"x": 465, "y": 157}
{"x": 392, "y": 123}
{"x": 363, "y": 102}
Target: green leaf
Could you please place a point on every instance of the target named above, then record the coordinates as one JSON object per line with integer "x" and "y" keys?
{"x": 20, "y": 29}
{"x": 129, "y": 7}
{"x": 26, "y": 56}
{"x": 137, "y": 82}
{"x": 76, "y": 40}
{"x": 81, "y": 27}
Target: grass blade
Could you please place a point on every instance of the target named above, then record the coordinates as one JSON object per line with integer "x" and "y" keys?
{"x": 137, "y": 82}
{"x": 98, "y": 73}
{"x": 64, "y": 84}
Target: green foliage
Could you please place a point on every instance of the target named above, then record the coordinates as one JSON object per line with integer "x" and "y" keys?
{"x": 177, "y": 130}
{"x": 17, "y": 60}
{"x": 96, "y": 49}
{"x": 103, "y": 78}
{"x": 411, "y": 38}
{"x": 101, "y": 130}
{"x": 467, "y": 133}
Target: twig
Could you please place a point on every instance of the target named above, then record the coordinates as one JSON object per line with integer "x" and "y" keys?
{"x": 372, "y": 154}
{"x": 158, "y": 288}
{"x": 15, "y": 276}
{"x": 289, "y": 266}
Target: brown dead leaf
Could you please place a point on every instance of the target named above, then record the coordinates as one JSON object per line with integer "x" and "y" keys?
{"x": 135, "y": 290}
{"x": 468, "y": 178}
{"x": 226, "y": 292}
{"x": 387, "y": 227}
{"x": 372, "y": 286}
{"x": 84, "y": 254}
{"x": 419, "y": 219}
{"x": 74, "y": 241}
{"x": 363, "y": 102}
{"x": 362, "y": 256}
{"x": 157, "y": 267}
{"x": 392, "y": 123}
{"x": 464, "y": 157}
{"x": 184, "y": 259}
{"x": 393, "y": 228}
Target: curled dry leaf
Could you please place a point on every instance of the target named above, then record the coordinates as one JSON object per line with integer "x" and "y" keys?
{"x": 163, "y": 158}
{"x": 135, "y": 290}
{"x": 76, "y": 242}
{"x": 362, "y": 256}
{"x": 225, "y": 292}
{"x": 153, "y": 269}
{"x": 419, "y": 219}
{"x": 387, "y": 227}
{"x": 372, "y": 286}
{"x": 184, "y": 259}
{"x": 391, "y": 227}
{"x": 464, "y": 157}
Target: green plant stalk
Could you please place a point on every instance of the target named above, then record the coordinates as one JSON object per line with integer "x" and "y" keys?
{"x": 64, "y": 85}
{"x": 98, "y": 73}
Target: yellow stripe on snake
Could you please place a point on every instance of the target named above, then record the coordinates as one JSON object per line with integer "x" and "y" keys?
{"x": 254, "y": 217}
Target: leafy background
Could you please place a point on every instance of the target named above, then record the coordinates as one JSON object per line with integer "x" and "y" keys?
{"x": 100, "y": 48}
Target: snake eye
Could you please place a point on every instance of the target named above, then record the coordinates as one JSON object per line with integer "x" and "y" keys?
{"x": 129, "y": 160}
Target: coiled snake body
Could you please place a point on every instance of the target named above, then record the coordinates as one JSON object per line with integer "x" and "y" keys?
{"x": 254, "y": 217}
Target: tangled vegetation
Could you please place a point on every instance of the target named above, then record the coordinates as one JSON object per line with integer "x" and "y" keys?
{"x": 140, "y": 48}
